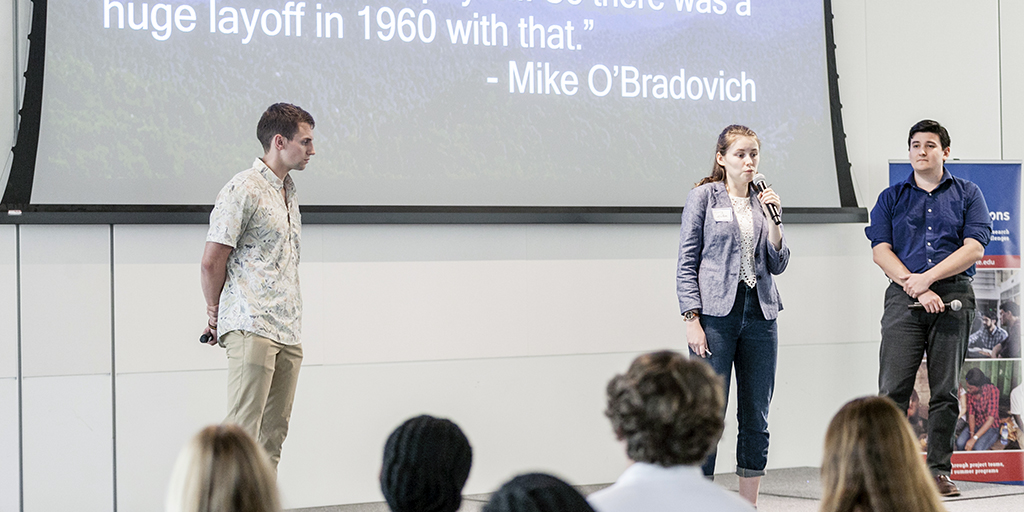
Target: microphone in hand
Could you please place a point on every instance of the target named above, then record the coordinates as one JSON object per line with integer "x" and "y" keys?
{"x": 954, "y": 305}
{"x": 760, "y": 185}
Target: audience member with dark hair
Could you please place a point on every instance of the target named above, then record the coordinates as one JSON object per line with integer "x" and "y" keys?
{"x": 872, "y": 462}
{"x": 426, "y": 464}
{"x": 982, "y": 413}
{"x": 668, "y": 410}
{"x": 537, "y": 492}
{"x": 222, "y": 469}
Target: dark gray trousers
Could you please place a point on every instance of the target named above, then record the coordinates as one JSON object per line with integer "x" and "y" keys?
{"x": 907, "y": 336}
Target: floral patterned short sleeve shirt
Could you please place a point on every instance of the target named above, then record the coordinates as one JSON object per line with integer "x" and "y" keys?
{"x": 261, "y": 291}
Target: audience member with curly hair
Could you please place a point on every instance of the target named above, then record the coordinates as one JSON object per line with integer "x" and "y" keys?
{"x": 222, "y": 470}
{"x": 872, "y": 462}
{"x": 668, "y": 410}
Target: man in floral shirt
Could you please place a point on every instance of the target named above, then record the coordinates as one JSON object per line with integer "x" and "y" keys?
{"x": 250, "y": 278}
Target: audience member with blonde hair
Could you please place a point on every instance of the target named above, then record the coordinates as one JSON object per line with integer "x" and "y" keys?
{"x": 873, "y": 462}
{"x": 222, "y": 470}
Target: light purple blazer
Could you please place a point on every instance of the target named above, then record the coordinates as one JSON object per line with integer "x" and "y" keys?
{"x": 708, "y": 272}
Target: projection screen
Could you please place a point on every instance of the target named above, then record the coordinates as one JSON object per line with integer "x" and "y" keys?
{"x": 450, "y": 103}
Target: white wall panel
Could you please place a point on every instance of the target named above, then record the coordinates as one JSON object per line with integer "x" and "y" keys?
{"x": 812, "y": 382}
{"x": 937, "y": 60}
{"x": 159, "y": 309}
{"x": 65, "y": 293}
{"x": 1011, "y": 17}
{"x": 405, "y": 293}
{"x": 8, "y": 302}
{"x": 317, "y": 315}
{"x": 156, "y": 414}
{"x": 10, "y": 463}
{"x": 68, "y": 444}
{"x": 831, "y": 289}
{"x": 520, "y": 414}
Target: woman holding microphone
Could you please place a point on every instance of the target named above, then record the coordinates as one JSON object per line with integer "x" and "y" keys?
{"x": 729, "y": 248}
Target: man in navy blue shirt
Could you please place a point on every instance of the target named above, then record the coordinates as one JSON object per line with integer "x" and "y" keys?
{"x": 926, "y": 234}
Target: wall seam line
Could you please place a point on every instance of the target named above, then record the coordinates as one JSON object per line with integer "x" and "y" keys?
{"x": 21, "y": 419}
{"x": 999, "y": 48}
{"x": 113, "y": 376}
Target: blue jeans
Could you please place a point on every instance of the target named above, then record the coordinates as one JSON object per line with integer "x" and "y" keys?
{"x": 983, "y": 443}
{"x": 744, "y": 339}
{"x": 907, "y": 336}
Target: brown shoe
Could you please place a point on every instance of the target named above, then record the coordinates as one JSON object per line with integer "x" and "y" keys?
{"x": 946, "y": 486}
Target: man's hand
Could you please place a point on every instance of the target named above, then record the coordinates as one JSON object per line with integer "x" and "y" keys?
{"x": 212, "y": 276}
{"x": 211, "y": 323}
{"x": 931, "y": 301}
{"x": 212, "y": 333}
{"x": 916, "y": 284}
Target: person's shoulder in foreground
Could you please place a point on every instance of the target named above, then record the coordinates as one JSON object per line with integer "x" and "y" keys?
{"x": 651, "y": 487}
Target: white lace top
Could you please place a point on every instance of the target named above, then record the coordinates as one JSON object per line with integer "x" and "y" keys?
{"x": 745, "y": 219}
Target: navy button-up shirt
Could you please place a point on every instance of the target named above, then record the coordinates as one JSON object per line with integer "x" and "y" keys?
{"x": 925, "y": 227}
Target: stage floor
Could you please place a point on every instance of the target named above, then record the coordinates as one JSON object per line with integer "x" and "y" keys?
{"x": 782, "y": 490}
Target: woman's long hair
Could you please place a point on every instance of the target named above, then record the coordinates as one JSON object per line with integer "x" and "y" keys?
{"x": 222, "y": 470}
{"x": 872, "y": 462}
{"x": 725, "y": 139}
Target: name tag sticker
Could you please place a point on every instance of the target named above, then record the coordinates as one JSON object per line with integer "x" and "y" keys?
{"x": 722, "y": 214}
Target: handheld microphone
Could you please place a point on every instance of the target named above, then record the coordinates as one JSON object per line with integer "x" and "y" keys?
{"x": 761, "y": 186}
{"x": 206, "y": 337}
{"x": 954, "y": 305}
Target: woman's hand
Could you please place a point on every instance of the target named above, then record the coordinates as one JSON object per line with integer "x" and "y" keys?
{"x": 696, "y": 340}
{"x": 766, "y": 197}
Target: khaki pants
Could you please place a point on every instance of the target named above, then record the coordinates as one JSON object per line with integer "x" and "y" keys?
{"x": 262, "y": 375}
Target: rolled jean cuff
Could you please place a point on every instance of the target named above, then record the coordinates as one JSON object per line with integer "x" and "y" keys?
{"x": 749, "y": 473}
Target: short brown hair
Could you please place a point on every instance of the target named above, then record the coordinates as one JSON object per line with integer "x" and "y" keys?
{"x": 668, "y": 409}
{"x": 283, "y": 118}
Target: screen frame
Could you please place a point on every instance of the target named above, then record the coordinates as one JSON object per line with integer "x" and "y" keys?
{"x": 16, "y": 200}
